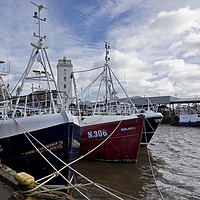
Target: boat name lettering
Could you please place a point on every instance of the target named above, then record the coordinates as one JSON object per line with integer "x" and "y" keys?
{"x": 96, "y": 134}
{"x": 128, "y": 129}
{"x": 157, "y": 120}
{"x": 53, "y": 146}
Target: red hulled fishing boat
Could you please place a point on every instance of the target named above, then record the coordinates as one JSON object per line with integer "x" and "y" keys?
{"x": 110, "y": 135}
{"x": 118, "y": 137}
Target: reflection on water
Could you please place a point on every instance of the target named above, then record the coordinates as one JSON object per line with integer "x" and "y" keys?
{"x": 176, "y": 178}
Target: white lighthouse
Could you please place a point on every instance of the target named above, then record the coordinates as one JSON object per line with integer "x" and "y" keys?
{"x": 64, "y": 82}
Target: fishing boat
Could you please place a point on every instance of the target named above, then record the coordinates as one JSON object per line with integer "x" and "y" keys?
{"x": 186, "y": 115}
{"x": 38, "y": 136}
{"x": 152, "y": 120}
{"x": 106, "y": 134}
{"x": 125, "y": 137}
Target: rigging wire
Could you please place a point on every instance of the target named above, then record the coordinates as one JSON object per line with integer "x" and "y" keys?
{"x": 98, "y": 91}
{"x": 88, "y": 70}
{"x": 26, "y": 71}
{"x": 53, "y": 174}
{"x": 87, "y": 88}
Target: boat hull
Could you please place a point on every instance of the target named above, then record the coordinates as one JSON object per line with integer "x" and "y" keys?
{"x": 150, "y": 126}
{"x": 62, "y": 139}
{"x": 191, "y": 120}
{"x": 123, "y": 145}
{"x": 190, "y": 124}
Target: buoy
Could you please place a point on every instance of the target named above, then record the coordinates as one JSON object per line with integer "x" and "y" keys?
{"x": 24, "y": 178}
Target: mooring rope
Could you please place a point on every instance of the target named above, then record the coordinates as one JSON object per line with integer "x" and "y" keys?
{"x": 118, "y": 192}
{"x": 150, "y": 163}
{"x": 59, "y": 188}
{"x": 151, "y": 166}
{"x": 196, "y": 167}
{"x": 90, "y": 150}
{"x": 67, "y": 165}
{"x": 53, "y": 174}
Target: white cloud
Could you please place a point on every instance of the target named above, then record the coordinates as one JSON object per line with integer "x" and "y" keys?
{"x": 189, "y": 46}
{"x": 162, "y": 46}
{"x": 106, "y": 10}
{"x": 180, "y": 76}
{"x": 148, "y": 50}
{"x": 176, "y": 21}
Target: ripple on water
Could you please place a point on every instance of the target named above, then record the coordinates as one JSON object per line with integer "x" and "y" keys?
{"x": 177, "y": 178}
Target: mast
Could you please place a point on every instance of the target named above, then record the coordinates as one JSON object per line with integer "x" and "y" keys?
{"x": 109, "y": 83}
{"x": 110, "y": 93}
{"x": 4, "y": 92}
{"x": 107, "y": 59}
{"x": 39, "y": 52}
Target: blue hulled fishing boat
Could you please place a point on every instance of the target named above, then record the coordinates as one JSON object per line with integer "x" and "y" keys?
{"x": 38, "y": 134}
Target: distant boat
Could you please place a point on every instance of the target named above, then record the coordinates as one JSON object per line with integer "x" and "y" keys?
{"x": 30, "y": 125}
{"x": 186, "y": 116}
{"x": 121, "y": 134}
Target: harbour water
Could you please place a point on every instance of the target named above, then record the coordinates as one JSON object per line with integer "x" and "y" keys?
{"x": 174, "y": 153}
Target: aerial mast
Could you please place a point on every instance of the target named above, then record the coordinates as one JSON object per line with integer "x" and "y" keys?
{"x": 107, "y": 59}
{"x": 37, "y": 16}
{"x": 39, "y": 52}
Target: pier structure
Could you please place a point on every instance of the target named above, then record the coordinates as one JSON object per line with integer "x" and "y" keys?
{"x": 168, "y": 101}
{"x": 165, "y": 104}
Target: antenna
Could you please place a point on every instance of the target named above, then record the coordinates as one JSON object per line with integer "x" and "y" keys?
{"x": 107, "y": 52}
{"x": 37, "y": 16}
{"x": 2, "y": 73}
{"x": 39, "y": 6}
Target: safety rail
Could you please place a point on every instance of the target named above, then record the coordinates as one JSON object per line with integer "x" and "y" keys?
{"x": 32, "y": 104}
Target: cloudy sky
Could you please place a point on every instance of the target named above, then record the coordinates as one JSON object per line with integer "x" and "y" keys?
{"x": 155, "y": 44}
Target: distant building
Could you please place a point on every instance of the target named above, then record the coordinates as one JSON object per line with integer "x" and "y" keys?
{"x": 64, "y": 82}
